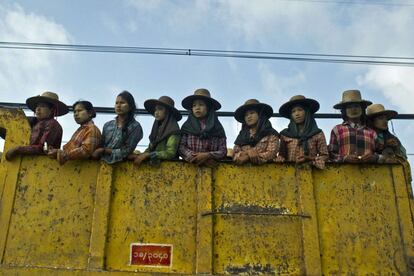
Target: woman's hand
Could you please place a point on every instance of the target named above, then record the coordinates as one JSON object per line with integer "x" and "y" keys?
{"x": 140, "y": 158}
{"x": 97, "y": 154}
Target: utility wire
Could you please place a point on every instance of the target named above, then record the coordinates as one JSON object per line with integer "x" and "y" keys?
{"x": 370, "y": 2}
{"x": 303, "y": 57}
{"x": 141, "y": 111}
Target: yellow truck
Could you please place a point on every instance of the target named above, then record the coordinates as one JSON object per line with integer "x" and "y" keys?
{"x": 87, "y": 217}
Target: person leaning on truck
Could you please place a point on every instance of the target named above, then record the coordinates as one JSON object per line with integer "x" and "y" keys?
{"x": 302, "y": 141}
{"x": 46, "y": 131}
{"x": 258, "y": 141}
{"x": 203, "y": 140}
{"x": 85, "y": 139}
{"x": 352, "y": 141}
{"x": 165, "y": 133}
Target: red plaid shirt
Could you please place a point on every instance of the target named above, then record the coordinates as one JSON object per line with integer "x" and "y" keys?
{"x": 266, "y": 149}
{"x": 190, "y": 144}
{"x": 83, "y": 142}
{"x": 346, "y": 140}
{"x": 291, "y": 149}
{"x": 48, "y": 131}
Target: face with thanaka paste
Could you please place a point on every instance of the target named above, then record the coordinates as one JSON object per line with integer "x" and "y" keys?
{"x": 251, "y": 117}
{"x": 121, "y": 106}
{"x": 298, "y": 114}
{"x": 199, "y": 109}
{"x": 81, "y": 114}
{"x": 43, "y": 111}
{"x": 160, "y": 112}
{"x": 353, "y": 111}
{"x": 381, "y": 122}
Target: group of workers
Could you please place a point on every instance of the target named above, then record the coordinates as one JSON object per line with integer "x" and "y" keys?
{"x": 363, "y": 136}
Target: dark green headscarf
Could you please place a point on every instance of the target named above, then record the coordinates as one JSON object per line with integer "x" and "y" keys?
{"x": 163, "y": 130}
{"x": 310, "y": 129}
{"x": 213, "y": 126}
{"x": 264, "y": 128}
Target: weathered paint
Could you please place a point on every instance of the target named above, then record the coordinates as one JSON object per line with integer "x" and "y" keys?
{"x": 81, "y": 218}
{"x": 360, "y": 227}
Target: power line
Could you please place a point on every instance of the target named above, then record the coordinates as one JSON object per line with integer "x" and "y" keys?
{"x": 370, "y": 2}
{"x": 141, "y": 111}
{"x": 303, "y": 57}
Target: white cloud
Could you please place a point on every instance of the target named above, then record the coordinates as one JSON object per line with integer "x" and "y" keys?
{"x": 395, "y": 83}
{"x": 27, "y": 72}
{"x": 278, "y": 87}
{"x": 146, "y": 5}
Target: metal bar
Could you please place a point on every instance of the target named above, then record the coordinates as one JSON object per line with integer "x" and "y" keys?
{"x": 255, "y": 214}
{"x": 141, "y": 111}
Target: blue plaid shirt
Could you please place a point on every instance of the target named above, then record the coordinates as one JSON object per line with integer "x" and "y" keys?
{"x": 121, "y": 147}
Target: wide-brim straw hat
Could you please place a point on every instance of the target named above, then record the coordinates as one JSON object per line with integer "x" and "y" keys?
{"x": 350, "y": 97}
{"x": 200, "y": 94}
{"x": 286, "y": 108}
{"x": 375, "y": 110}
{"x": 165, "y": 101}
{"x": 253, "y": 104}
{"x": 50, "y": 98}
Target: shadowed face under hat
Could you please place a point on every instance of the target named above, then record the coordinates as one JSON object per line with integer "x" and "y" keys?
{"x": 164, "y": 101}
{"x": 375, "y": 110}
{"x": 201, "y": 94}
{"x": 286, "y": 108}
{"x": 350, "y": 97}
{"x": 252, "y": 104}
{"x": 49, "y": 98}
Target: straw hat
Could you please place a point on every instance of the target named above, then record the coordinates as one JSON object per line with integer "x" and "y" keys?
{"x": 165, "y": 101}
{"x": 50, "y": 98}
{"x": 349, "y": 97}
{"x": 255, "y": 105}
{"x": 375, "y": 110}
{"x": 200, "y": 94}
{"x": 286, "y": 108}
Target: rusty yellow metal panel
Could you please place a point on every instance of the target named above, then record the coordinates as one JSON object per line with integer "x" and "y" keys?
{"x": 52, "y": 214}
{"x": 358, "y": 221}
{"x": 153, "y": 205}
{"x": 81, "y": 218}
{"x": 257, "y": 224}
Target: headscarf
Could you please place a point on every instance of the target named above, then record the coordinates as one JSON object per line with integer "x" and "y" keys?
{"x": 213, "y": 126}
{"x": 162, "y": 130}
{"x": 310, "y": 129}
{"x": 264, "y": 128}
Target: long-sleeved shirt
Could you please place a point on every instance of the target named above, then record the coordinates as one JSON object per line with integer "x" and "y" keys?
{"x": 166, "y": 149}
{"x": 347, "y": 139}
{"x": 44, "y": 131}
{"x": 291, "y": 149}
{"x": 398, "y": 150}
{"x": 112, "y": 138}
{"x": 266, "y": 149}
{"x": 190, "y": 144}
{"x": 83, "y": 142}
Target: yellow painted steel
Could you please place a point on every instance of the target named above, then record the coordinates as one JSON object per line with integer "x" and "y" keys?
{"x": 275, "y": 219}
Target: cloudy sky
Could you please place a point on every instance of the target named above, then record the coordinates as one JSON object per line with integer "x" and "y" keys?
{"x": 357, "y": 27}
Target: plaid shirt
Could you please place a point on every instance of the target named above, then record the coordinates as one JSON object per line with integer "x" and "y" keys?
{"x": 347, "y": 140}
{"x": 266, "y": 149}
{"x": 291, "y": 150}
{"x": 83, "y": 142}
{"x": 112, "y": 138}
{"x": 44, "y": 131}
{"x": 190, "y": 144}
